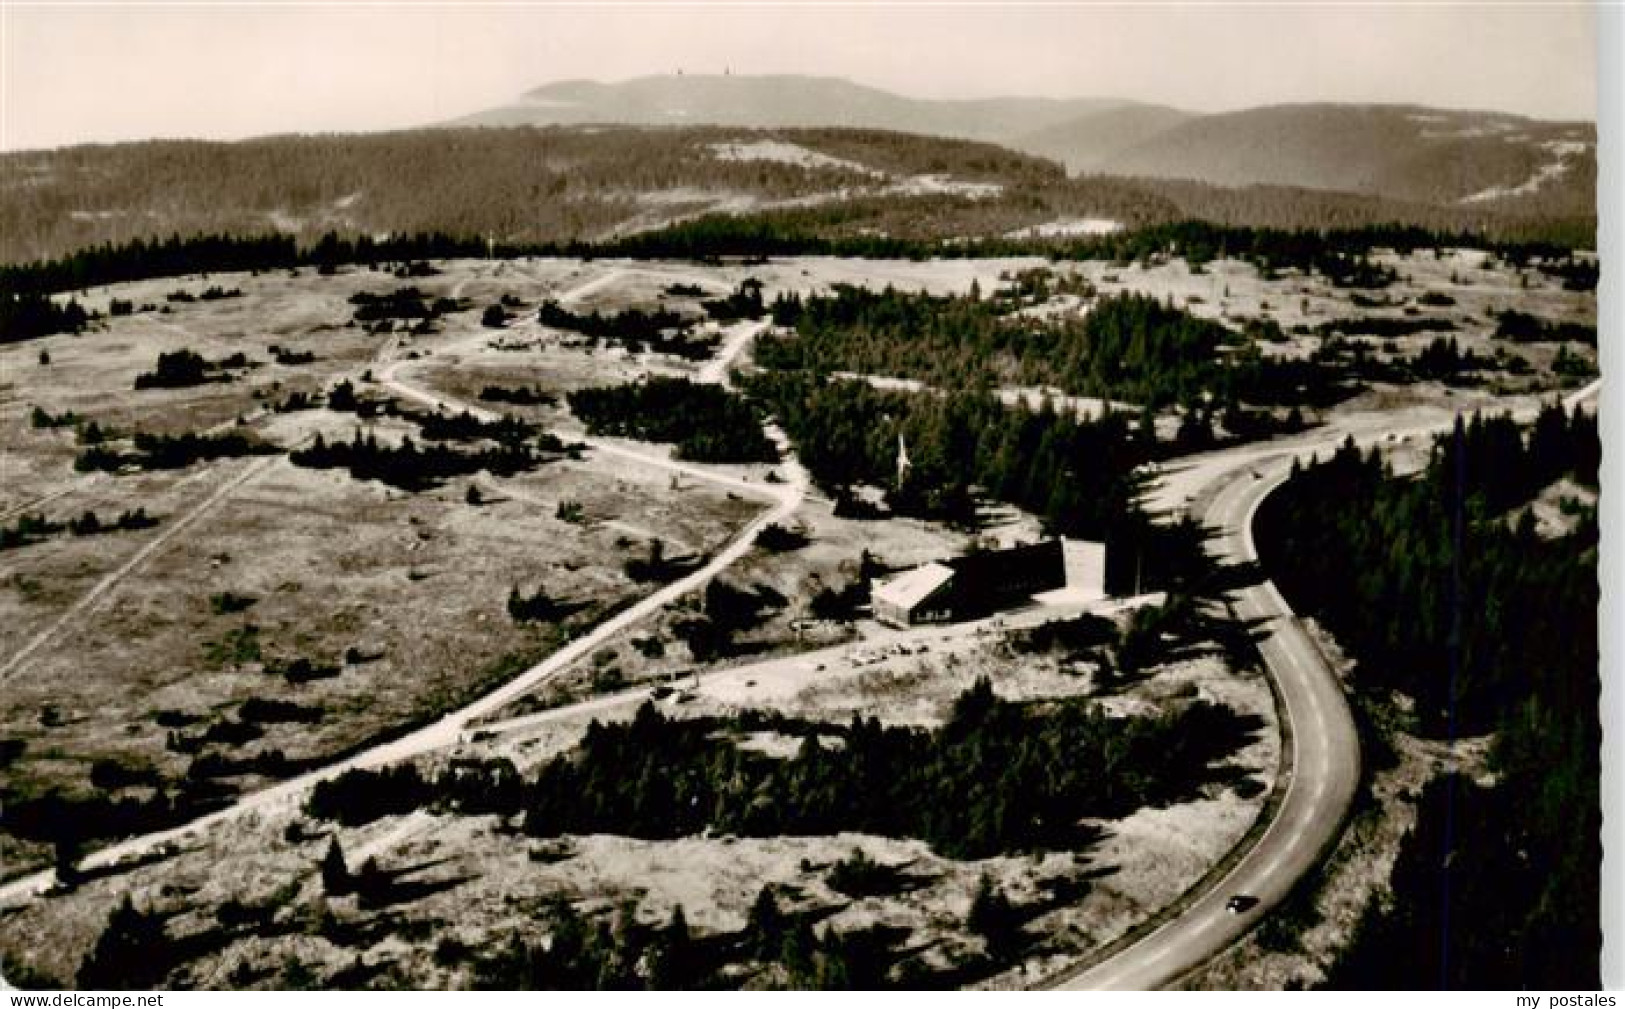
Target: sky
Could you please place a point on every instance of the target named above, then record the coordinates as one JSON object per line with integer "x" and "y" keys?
{"x": 76, "y": 72}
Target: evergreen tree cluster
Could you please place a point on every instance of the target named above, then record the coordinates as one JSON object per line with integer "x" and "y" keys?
{"x": 744, "y": 303}
{"x": 1576, "y": 273}
{"x": 143, "y": 259}
{"x": 179, "y": 369}
{"x": 289, "y": 358}
{"x": 661, "y": 331}
{"x": 996, "y": 778}
{"x": 538, "y": 606}
{"x": 1074, "y": 472}
{"x": 178, "y": 256}
{"x": 403, "y": 303}
{"x": 1077, "y": 474}
{"x": 41, "y": 418}
{"x": 26, "y": 315}
{"x": 858, "y": 875}
{"x": 706, "y": 422}
{"x": 856, "y": 228}
{"x": 929, "y": 226}
{"x": 132, "y": 952}
{"x": 1525, "y": 328}
{"x": 1328, "y": 251}
{"x": 32, "y": 528}
{"x": 465, "y": 427}
{"x": 359, "y": 796}
{"x": 1385, "y": 326}
{"x": 1128, "y": 347}
{"x": 518, "y": 395}
{"x": 414, "y": 468}
{"x": 167, "y": 451}
{"x": 79, "y": 815}
{"x": 606, "y": 955}
{"x": 1378, "y": 557}
{"x": 1440, "y": 594}
{"x": 214, "y": 292}
{"x": 1443, "y": 359}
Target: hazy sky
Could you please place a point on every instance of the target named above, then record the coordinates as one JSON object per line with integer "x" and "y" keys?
{"x": 118, "y": 71}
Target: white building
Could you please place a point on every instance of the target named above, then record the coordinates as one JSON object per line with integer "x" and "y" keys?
{"x": 922, "y": 595}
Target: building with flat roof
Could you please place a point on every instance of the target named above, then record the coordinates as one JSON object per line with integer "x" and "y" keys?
{"x": 987, "y": 581}
{"x": 922, "y": 595}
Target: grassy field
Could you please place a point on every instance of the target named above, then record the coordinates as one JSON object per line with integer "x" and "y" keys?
{"x": 475, "y": 880}
{"x": 140, "y": 648}
{"x": 395, "y": 602}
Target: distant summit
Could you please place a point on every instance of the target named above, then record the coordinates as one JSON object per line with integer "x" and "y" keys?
{"x": 782, "y": 100}
{"x": 1415, "y": 153}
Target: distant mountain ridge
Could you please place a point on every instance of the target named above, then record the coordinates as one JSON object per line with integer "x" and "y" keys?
{"x": 591, "y": 162}
{"x": 1397, "y": 151}
{"x": 780, "y": 100}
{"x": 1437, "y": 156}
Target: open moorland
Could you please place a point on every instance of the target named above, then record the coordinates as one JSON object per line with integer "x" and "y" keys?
{"x": 542, "y": 584}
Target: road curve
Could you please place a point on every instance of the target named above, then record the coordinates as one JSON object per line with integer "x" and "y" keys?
{"x": 1324, "y": 771}
{"x": 1321, "y": 779}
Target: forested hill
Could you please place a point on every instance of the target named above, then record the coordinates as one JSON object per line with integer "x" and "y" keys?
{"x": 530, "y": 186}
{"x": 523, "y": 185}
{"x": 1441, "y": 157}
{"x": 1437, "y": 156}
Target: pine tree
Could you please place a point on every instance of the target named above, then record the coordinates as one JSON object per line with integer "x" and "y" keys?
{"x": 130, "y": 953}
{"x": 764, "y": 928}
{"x": 994, "y": 918}
{"x": 65, "y": 856}
{"x": 336, "y": 879}
{"x": 672, "y": 959}
{"x": 371, "y": 883}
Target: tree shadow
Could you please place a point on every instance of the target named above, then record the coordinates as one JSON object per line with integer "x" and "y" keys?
{"x": 390, "y": 887}
{"x": 355, "y": 976}
{"x": 408, "y": 891}
{"x": 876, "y": 879}
{"x": 127, "y": 864}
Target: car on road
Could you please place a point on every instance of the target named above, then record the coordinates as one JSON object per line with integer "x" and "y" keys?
{"x": 1241, "y": 903}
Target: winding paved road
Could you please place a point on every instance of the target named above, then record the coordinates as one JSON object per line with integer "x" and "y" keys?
{"x": 1325, "y": 753}
{"x": 1324, "y": 771}
{"x": 1320, "y": 782}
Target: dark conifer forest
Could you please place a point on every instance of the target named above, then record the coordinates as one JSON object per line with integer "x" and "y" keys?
{"x": 414, "y": 468}
{"x": 707, "y": 423}
{"x": 996, "y": 778}
{"x": 1127, "y": 347}
{"x": 1443, "y": 589}
{"x": 1341, "y": 255}
{"x": 561, "y": 184}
